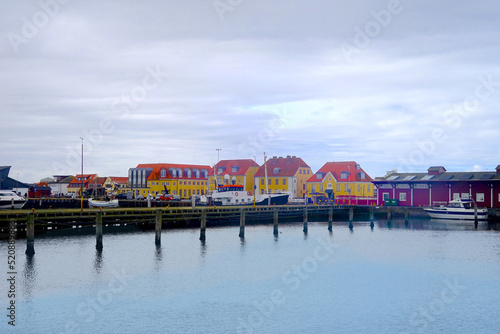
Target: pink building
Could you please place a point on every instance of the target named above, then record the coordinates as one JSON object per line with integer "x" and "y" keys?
{"x": 438, "y": 186}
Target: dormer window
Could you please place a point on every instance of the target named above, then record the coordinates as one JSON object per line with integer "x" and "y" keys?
{"x": 235, "y": 169}
{"x": 276, "y": 170}
{"x": 163, "y": 172}
{"x": 319, "y": 176}
{"x": 204, "y": 172}
{"x": 221, "y": 170}
{"x": 362, "y": 175}
{"x": 344, "y": 175}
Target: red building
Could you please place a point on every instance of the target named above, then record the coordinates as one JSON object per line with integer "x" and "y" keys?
{"x": 38, "y": 190}
{"x": 438, "y": 186}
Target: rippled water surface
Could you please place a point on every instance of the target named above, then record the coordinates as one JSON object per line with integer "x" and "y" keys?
{"x": 425, "y": 277}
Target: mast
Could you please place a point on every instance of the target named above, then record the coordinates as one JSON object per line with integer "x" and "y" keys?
{"x": 267, "y": 186}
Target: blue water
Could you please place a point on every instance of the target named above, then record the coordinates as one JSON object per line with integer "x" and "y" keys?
{"x": 425, "y": 278}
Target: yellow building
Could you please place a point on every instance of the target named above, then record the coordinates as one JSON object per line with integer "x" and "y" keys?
{"x": 240, "y": 171}
{"x": 284, "y": 175}
{"x": 172, "y": 179}
{"x": 345, "y": 182}
{"x": 114, "y": 185}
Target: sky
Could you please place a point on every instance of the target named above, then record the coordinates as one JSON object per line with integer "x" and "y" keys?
{"x": 398, "y": 84}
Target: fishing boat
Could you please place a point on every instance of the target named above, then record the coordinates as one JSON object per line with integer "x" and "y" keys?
{"x": 11, "y": 200}
{"x": 236, "y": 195}
{"x": 96, "y": 203}
{"x": 460, "y": 209}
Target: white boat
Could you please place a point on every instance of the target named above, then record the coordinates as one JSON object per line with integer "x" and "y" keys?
{"x": 236, "y": 195}
{"x": 11, "y": 200}
{"x": 460, "y": 209}
{"x": 94, "y": 203}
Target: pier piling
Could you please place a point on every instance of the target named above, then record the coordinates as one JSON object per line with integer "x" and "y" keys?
{"x": 330, "y": 219}
{"x": 305, "y": 220}
{"x": 158, "y": 223}
{"x": 203, "y": 225}
{"x": 98, "y": 230}
{"x": 275, "y": 219}
{"x": 242, "y": 223}
{"x": 389, "y": 214}
{"x": 30, "y": 235}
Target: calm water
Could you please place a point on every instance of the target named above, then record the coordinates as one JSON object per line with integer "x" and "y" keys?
{"x": 424, "y": 278}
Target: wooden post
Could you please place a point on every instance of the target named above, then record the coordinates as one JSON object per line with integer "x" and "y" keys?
{"x": 305, "y": 220}
{"x": 30, "y": 235}
{"x": 389, "y": 214}
{"x": 158, "y": 223}
{"x": 330, "y": 219}
{"x": 242, "y": 223}
{"x": 372, "y": 213}
{"x": 275, "y": 232}
{"x": 351, "y": 214}
{"x": 203, "y": 225}
{"x": 98, "y": 230}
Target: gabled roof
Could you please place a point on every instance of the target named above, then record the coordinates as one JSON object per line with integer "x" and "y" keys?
{"x": 353, "y": 170}
{"x": 157, "y": 167}
{"x": 119, "y": 179}
{"x": 88, "y": 178}
{"x": 284, "y": 167}
{"x": 241, "y": 166}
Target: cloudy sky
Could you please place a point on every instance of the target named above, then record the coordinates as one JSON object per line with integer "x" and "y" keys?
{"x": 390, "y": 84}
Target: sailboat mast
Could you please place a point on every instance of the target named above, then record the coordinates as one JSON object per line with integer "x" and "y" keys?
{"x": 265, "y": 173}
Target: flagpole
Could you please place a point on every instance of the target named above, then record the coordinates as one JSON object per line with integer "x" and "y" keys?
{"x": 81, "y": 183}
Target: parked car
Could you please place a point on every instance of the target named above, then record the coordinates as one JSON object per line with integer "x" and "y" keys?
{"x": 165, "y": 198}
{"x": 121, "y": 196}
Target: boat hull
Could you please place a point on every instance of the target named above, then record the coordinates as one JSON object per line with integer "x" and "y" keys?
{"x": 103, "y": 204}
{"x": 7, "y": 204}
{"x": 457, "y": 215}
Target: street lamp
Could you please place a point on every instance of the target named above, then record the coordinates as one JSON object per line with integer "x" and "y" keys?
{"x": 81, "y": 181}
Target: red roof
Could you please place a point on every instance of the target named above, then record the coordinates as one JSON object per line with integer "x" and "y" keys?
{"x": 337, "y": 168}
{"x": 234, "y": 167}
{"x": 156, "y": 173}
{"x": 88, "y": 178}
{"x": 119, "y": 179}
{"x": 284, "y": 167}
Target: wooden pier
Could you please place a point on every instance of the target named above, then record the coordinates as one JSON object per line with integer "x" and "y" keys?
{"x": 28, "y": 223}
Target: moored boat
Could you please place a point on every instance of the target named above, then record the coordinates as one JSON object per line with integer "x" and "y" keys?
{"x": 460, "y": 209}
{"x": 11, "y": 200}
{"x": 94, "y": 203}
{"x": 236, "y": 195}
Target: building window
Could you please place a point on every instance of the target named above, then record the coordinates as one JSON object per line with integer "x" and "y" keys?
{"x": 346, "y": 187}
{"x": 235, "y": 169}
{"x": 368, "y": 188}
{"x": 402, "y": 197}
{"x": 277, "y": 181}
{"x": 338, "y": 187}
{"x": 163, "y": 172}
{"x": 385, "y": 196}
{"x": 262, "y": 182}
{"x": 269, "y": 181}
{"x": 276, "y": 170}
{"x": 284, "y": 181}
{"x": 344, "y": 175}
{"x": 479, "y": 197}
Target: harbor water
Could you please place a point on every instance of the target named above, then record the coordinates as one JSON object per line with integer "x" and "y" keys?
{"x": 418, "y": 277}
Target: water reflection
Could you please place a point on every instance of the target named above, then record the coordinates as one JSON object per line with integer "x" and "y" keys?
{"x": 203, "y": 249}
{"x": 242, "y": 245}
{"x": 158, "y": 257}
{"x": 98, "y": 262}
{"x": 433, "y": 224}
{"x": 29, "y": 274}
